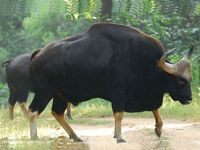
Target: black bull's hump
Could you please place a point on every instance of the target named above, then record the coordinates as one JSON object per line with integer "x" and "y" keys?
{"x": 109, "y": 61}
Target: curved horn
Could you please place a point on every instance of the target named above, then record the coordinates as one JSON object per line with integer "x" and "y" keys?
{"x": 167, "y": 67}
{"x": 189, "y": 53}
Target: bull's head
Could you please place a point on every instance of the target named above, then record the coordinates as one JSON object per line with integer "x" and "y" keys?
{"x": 179, "y": 77}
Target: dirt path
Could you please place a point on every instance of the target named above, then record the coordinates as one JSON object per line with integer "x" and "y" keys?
{"x": 139, "y": 134}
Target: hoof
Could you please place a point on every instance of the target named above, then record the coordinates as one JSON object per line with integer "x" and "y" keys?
{"x": 78, "y": 140}
{"x": 158, "y": 132}
{"x": 121, "y": 141}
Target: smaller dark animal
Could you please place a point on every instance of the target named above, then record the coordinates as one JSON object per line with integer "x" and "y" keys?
{"x": 19, "y": 83}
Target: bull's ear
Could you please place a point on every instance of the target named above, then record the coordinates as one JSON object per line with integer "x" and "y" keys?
{"x": 189, "y": 53}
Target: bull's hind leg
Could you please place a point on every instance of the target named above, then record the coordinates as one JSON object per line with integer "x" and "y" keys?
{"x": 58, "y": 109}
{"x": 118, "y": 121}
{"x": 36, "y": 107}
{"x": 159, "y": 122}
{"x": 118, "y": 107}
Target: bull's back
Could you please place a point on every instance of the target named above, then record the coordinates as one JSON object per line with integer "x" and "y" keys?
{"x": 78, "y": 66}
{"x": 91, "y": 64}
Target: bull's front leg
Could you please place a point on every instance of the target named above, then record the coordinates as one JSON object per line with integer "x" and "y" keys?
{"x": 62, "y": 121}
{"x": 33, "y": 116}
{"x": 117, "y": 132}
{"x": 159, "y": 122}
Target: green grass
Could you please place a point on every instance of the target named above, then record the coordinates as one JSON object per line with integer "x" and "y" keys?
{"x": 15, "y": 134}
{"x": 93, "y": 108}
{"x": 172, "y": 109}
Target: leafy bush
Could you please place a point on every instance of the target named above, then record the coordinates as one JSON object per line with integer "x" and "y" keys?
{"x": 3, "y": 94}
{"x": 30, "y": 24}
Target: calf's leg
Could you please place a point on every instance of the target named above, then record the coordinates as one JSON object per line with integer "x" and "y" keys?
{"x": 11, "y": 110}
{"x": 20, "y": 96}
{"x": 11, "y": 101}
{"x": 23, "y": 95}
{"x": 159, "y": 122}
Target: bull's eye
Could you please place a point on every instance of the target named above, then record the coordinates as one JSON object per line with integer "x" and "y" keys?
{"x": 181, "y": 81}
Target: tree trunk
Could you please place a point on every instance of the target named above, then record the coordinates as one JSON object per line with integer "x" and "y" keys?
{"x": 106, "y": 10}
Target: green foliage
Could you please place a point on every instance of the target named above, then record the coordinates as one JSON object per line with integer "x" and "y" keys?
{"x": 3, "y": 56}
{"x": 3, "y": 95}
{"x": 142, "y": 14}
{"x": 76, "y": 9}
{"x": 173, "y": 109}
{"x": 195, "y": 74}
{"x": 89, "y": 109}
{"x": 197, "y": 9}
{"x": 26, "y": 25}
{"x": 53, "y": 12}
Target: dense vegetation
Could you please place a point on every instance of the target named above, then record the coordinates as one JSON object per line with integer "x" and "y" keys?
{"x": 26, "y": 25}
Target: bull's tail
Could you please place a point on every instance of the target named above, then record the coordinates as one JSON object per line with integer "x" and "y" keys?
{"x": 5, "y": 63}
{"x": 35, "y": 53}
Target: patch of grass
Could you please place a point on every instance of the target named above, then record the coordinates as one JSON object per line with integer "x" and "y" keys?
{"x": 171, "y": 109}
{"x": 32, "y": 145}
{"x": 89, "y": 121}
{"x": 94, "y": 108}
{"x": 15, "y": 134}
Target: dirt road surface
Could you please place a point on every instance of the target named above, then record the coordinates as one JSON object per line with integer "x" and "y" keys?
{"x": 138, "y": 133}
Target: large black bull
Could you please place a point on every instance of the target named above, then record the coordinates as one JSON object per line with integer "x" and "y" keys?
{"x": 120, "y": 64}
{"x": 19, "y": 83}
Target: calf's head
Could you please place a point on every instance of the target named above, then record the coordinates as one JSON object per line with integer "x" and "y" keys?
{"x": 178, "y": 77}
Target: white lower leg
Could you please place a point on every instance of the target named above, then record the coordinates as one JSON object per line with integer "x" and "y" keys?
{"x": 33, "y": 116}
